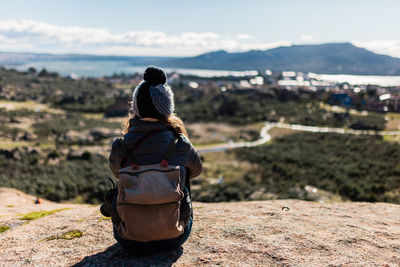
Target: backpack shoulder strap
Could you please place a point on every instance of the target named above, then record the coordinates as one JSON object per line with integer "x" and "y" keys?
{"x": 170, "y": 152}
{"x": 138, "y": 143}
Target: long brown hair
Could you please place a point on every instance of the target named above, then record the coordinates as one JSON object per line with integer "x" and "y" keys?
{"x": 173, "y": 123}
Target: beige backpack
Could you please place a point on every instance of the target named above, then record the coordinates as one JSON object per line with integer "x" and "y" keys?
{"x": 148, "y": 201}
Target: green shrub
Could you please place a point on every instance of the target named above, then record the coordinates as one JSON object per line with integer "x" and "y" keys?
{"x": 359, "y": 168}
{"x": 66, "y": 180}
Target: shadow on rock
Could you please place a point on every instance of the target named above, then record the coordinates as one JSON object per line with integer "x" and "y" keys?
{"x": 117, "y": 256}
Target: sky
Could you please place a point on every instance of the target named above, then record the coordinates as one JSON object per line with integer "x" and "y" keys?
{"x": 188, "y": 28}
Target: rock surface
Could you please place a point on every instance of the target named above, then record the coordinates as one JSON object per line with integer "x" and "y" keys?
{"x": 258, "y": 233}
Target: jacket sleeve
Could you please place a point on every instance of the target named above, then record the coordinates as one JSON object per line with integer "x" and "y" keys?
{"x": 116, "y": 156}
{"x": 193, "y": 162}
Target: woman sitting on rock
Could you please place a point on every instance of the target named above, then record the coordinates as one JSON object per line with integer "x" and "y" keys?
{"x": 151, "y": 210}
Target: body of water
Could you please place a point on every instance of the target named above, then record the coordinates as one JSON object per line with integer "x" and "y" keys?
{"x": 362, "y": 79}
{"x": 97, "y": 68}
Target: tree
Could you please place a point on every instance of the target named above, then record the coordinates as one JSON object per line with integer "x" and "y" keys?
{"x": 32, "y": 71}
{"x": 43, "y": 73}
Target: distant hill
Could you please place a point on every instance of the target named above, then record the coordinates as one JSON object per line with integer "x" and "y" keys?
{"x": 332, "y": 58}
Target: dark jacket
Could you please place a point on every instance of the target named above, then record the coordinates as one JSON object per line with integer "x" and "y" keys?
{"x": 152, "y": 150}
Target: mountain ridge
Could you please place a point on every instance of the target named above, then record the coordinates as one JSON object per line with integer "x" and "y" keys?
{"x": 331, "y": 58}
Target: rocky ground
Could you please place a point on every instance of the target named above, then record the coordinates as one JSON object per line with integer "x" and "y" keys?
{"x": 259, "y": 233}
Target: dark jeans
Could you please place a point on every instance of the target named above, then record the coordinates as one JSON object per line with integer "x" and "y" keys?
{"x": 145, "y": 248}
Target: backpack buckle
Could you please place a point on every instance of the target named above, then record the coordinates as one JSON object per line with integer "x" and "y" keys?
{"x": 135, "y": 166}
{"x": 164, "y": 163}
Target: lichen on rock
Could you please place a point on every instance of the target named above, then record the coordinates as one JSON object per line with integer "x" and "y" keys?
{"x": 4, "y": 228}
{"x": 67, "y": 235}
{"x": 39, "y": 214}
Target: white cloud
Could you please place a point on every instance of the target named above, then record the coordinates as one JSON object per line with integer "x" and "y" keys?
{"x": 35, "y": 36}
{"x": 243, "y": 36}
{"x": 306, "y": 37}
{"x": 386, "y": 47}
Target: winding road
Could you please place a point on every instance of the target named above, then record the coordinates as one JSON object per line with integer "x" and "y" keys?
{"x": 265, "y": 136}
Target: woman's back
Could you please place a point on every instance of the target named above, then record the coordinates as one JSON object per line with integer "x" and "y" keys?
{"x": 154, "y": 147}
{"x": 149, "y": 134}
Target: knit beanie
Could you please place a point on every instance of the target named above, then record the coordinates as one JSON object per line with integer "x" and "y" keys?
{"x": 153, "y": 98}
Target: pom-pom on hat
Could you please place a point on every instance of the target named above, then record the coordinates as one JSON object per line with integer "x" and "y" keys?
{"x": 154, "y": 76}
{"x": 153, "y": 98}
